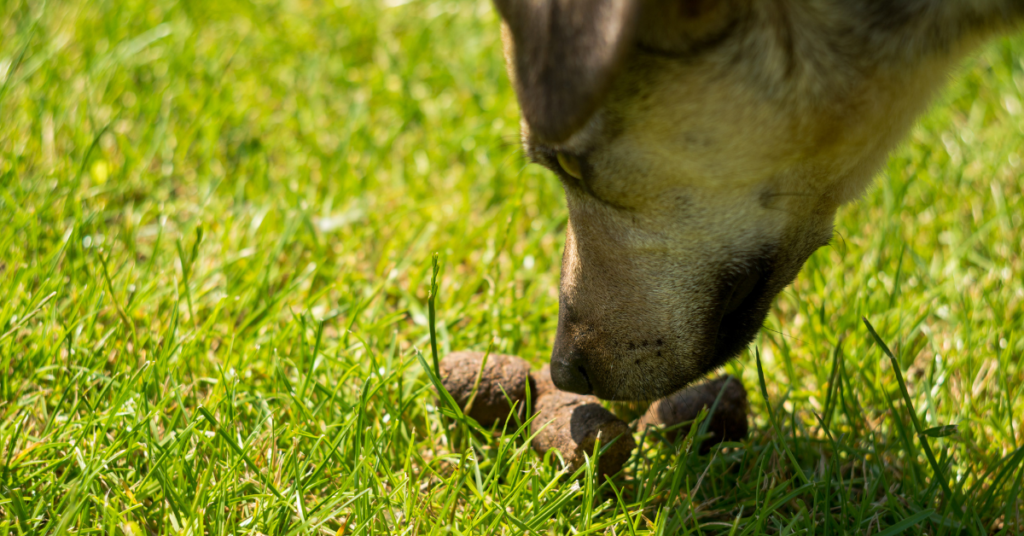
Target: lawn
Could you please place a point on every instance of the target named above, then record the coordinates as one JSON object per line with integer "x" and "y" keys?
{"x": 216, "y": 228}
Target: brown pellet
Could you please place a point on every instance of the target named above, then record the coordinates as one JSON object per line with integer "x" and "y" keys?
{"x": 727, "y": 423}
{"x": 572, "y": 424}
{"x": 502, "y": 375}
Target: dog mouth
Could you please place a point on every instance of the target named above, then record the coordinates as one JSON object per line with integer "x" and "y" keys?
{"x": 745, "y": 303}
{"x": 741, "y": 290}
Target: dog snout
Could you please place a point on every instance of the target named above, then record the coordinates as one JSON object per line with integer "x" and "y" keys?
{"x": 568, "y": 361}
{"x": 634, "y": 334}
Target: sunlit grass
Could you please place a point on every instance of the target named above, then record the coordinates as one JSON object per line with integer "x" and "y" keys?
{"x": 216, "y": 226}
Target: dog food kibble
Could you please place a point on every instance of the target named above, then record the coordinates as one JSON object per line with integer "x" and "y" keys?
{"x": 506, "y": 373}
{"x": 728, "y": 423}
{"x": 573, "y": 423}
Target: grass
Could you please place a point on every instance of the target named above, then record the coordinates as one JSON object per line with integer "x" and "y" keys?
{"x": 216, "y": 230}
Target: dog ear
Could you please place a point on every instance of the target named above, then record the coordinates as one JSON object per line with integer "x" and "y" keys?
{"x": 566, "y": 52}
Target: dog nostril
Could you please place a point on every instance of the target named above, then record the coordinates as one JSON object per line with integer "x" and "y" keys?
{"x": 571, "y": 377}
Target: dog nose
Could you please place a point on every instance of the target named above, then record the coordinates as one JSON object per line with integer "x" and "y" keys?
{"x": 568, "y": 361}
{"x": 570, "y": 373}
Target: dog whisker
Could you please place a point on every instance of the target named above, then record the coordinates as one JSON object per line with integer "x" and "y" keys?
{"x": 840, "y": 249}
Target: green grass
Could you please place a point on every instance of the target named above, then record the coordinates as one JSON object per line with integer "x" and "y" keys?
{"x": 216, "y": 228}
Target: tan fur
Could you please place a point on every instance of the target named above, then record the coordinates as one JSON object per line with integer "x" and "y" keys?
{"x": 727, "y": 137}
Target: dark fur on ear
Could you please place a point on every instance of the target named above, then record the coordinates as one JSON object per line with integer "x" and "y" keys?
{"x": 566, "y": 52}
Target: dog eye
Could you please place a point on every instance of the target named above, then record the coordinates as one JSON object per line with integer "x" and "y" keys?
{"x": 570, "y": 164}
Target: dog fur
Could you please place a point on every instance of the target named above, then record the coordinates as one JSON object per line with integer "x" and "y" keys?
{"x": 704, "y": 147}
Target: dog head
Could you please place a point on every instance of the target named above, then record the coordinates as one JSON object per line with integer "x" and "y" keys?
{"x": 704, "y": 147}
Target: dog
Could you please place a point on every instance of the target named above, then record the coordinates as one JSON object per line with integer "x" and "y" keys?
{"x": 704, "y": 147}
